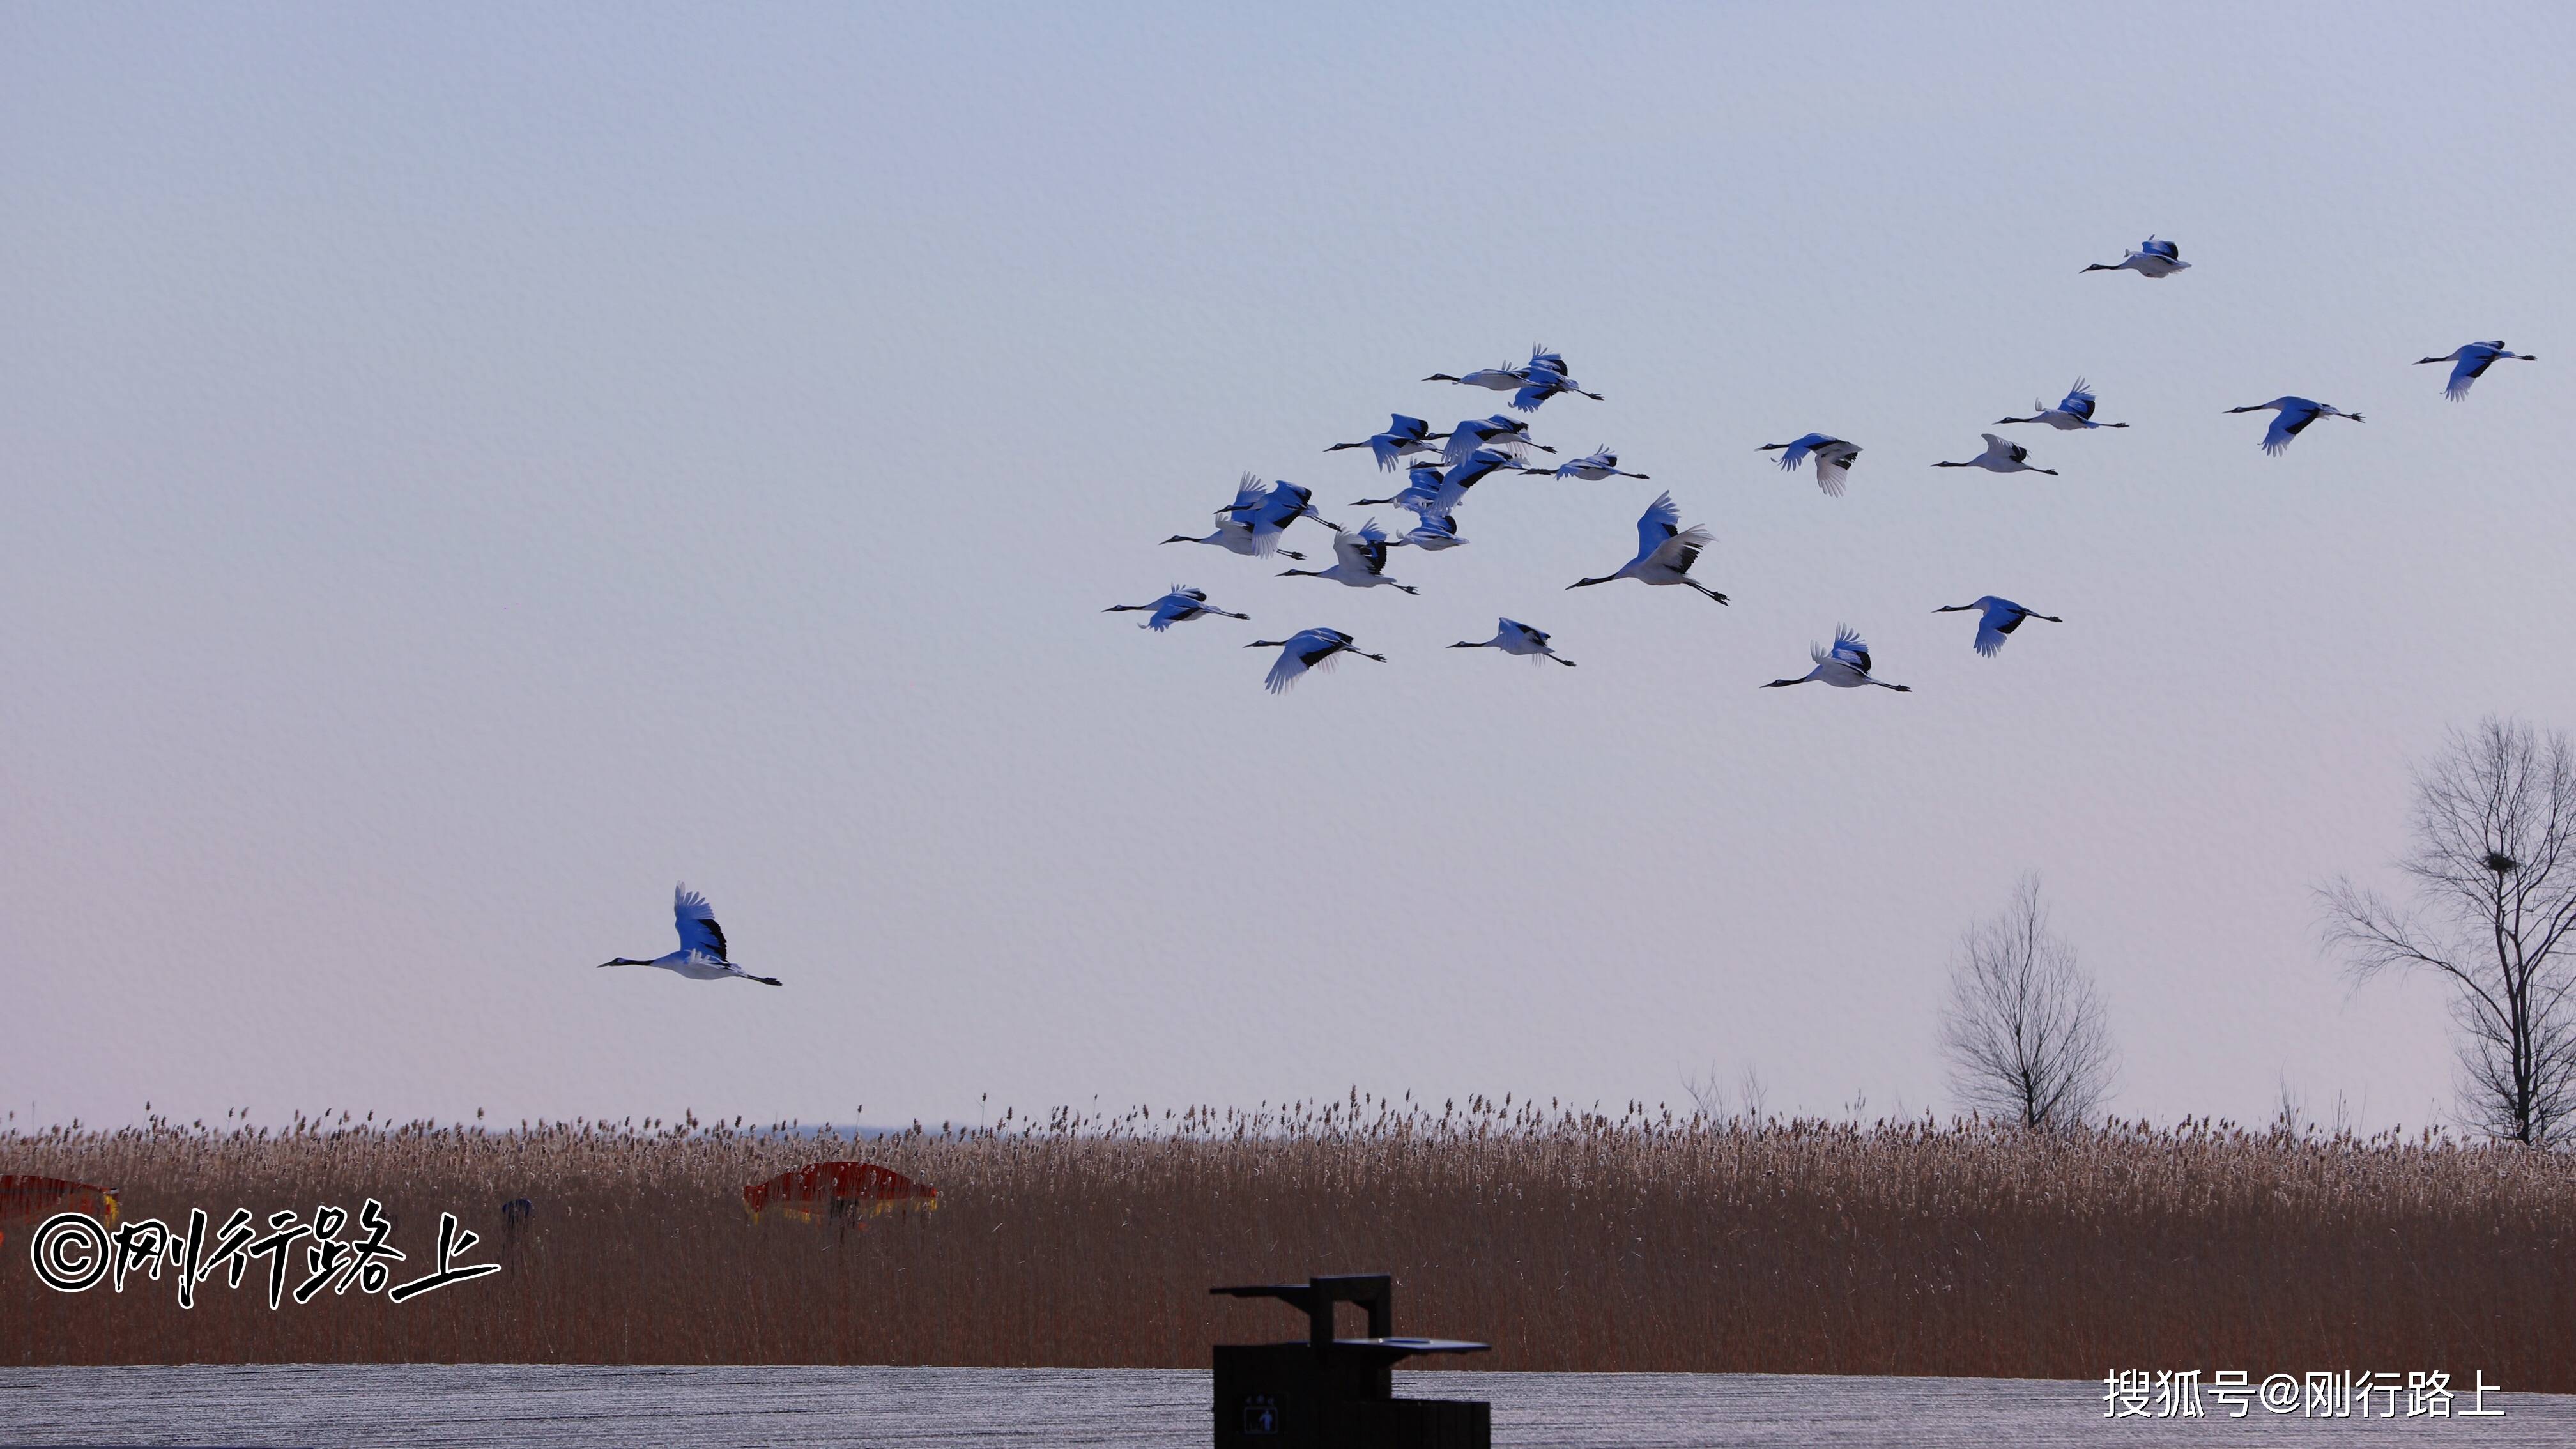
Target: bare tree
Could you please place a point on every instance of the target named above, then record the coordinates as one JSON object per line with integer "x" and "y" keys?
{"x": 2025, "y": 1030}
{"x": 1708, "y": 1096}
{"x": 2493, "y": 863}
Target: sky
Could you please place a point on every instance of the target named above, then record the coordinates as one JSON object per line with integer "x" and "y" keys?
{"x": 467, "y": 469}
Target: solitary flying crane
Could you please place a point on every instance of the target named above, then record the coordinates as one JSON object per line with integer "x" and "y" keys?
{"x": 1311, "y": 649}
{"x": 1833, "y": 456}
{"x": 2155, "y": 260}
{"x": 2068, "y": 416}
{"x": 1665, "y": 550}
{"x": 2290, "y": 414}
{"x": 1177, "y": 607}
{"x": 1236, "y": 536}
{"x": 2001, "y": 457}
{"x": 2473, "y": 358}
{"x": 1996, "y": 618}
{"x": 1403, "y": 436}
{"x": 701, "y": 956}
{"x": 1360, "y": 560}
{"x": 1514, "y": 637}
{"x": 1594, "y": 466}
{"x": 1845, "y": 666}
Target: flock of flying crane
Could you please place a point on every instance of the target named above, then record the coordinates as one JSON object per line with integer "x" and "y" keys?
{"x": 1477, "y": 448}
{"x": 1253, "y": 524}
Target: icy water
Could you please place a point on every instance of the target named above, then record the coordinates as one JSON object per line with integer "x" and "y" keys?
{"x": 611, "y": 1408}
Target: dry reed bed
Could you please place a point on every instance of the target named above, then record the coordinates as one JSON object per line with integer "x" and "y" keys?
{"x": 1571, "y": 1240}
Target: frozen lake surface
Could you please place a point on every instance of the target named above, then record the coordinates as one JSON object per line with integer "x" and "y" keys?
{"x": 443, "y": 1404}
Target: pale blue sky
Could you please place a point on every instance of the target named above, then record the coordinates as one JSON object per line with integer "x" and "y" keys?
{"x": 467, "y": 469}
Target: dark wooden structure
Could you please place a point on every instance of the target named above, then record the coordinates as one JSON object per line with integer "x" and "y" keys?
{"x": 1337, "y": 1393}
